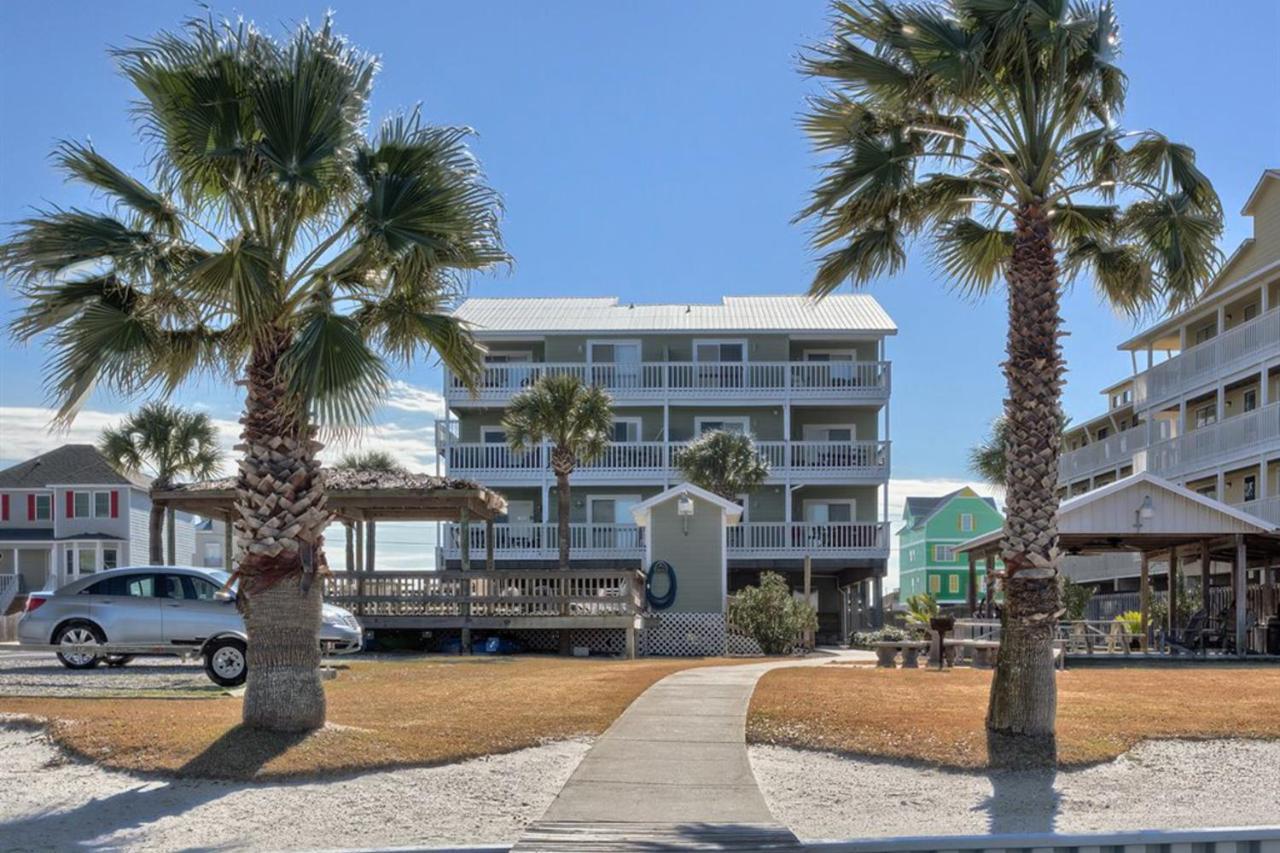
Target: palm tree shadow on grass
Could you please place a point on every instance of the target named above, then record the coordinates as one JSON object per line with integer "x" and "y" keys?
{"x": 240, "y": 753}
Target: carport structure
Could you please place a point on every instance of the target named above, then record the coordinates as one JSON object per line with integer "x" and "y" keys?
{"x": 1154, "y": 518}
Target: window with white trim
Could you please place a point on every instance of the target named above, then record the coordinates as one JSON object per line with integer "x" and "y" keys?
{"x": 966, "y": 522}
{"x": 705, "y": 425}
{"x": 81, "y": 504}
{"x": 626, "y": 430}
{"x": 101, "y": 504}
{"x": 110, "y": 558}
{"x": 953, "y": 584}
{"x": 1206, "y": 415}
{"x": 935, "y": 584}
{"x": 44, "y": 507}
{"x": 944, "y": 554}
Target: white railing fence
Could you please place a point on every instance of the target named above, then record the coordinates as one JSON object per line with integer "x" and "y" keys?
{"x": 1201, "y": 447}
{"x": 1198, "y": 364}
{"x": 656, "y": 379}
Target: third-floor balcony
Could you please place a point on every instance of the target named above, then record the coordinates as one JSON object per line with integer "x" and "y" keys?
{"x": 685, "y": 381}
{"x": 1218, "y": 444}
{"x": 1235, "y": 349}
{"x": 655, "y": 461}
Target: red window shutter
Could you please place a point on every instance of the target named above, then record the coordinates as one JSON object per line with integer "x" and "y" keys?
{"x": 71, "y": 504}
{"x": 31, "y": 507}
{"x": 4, "y": 507}
{"x": 115, "y": 504}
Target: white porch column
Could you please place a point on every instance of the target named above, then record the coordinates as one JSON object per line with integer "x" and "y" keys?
{"x": 1221, "y": 401}
{"x": 1221, "y": 486}
{"x": 1240, "y": 577}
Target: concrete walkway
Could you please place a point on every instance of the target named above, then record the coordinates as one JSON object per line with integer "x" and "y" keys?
{"x": 677, "y": 755}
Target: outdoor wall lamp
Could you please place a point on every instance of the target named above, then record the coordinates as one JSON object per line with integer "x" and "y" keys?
{"x": 1146, "y": 512}
{"x": 684, "y": 509}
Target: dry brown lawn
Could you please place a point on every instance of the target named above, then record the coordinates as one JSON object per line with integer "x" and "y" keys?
{"x": 408, "y": 712}
{"x": 938, "y": 718}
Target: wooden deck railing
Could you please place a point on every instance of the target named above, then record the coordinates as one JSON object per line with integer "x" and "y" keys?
{"x": 485, "y": 594}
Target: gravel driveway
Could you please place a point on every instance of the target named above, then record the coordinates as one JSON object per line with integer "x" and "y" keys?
{"x": 40, "y": 674}
{"x": 49, "y": 802}
{"x": 1157, "y": 785}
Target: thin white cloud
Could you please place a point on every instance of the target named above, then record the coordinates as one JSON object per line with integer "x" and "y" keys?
{"x": 409, "y": 398}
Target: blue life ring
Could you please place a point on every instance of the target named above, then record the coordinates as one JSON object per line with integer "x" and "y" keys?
{"x": 668, "y": 598}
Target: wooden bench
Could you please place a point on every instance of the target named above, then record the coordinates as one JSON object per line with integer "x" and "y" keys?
{"x": 887, "y": 653}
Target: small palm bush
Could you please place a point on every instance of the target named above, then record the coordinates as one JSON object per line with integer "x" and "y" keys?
{"x": 771, "y": 615}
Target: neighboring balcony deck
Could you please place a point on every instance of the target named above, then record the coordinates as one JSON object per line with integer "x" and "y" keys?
{"x": 851, "y": 462}
{"x": 1250, "y": 343}
{"x": 653, "y": 382}
{"x": 1236, "y": 439}
{"x": 757, "y": 539}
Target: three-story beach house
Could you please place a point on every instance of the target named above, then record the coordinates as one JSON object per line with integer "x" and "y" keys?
{"x": 809, "y": 380}
{"x": 1202, "y": 406}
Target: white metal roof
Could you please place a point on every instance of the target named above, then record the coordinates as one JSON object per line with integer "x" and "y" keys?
{"x": 845, "y": 313}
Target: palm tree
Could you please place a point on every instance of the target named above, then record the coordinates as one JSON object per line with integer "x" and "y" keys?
{"x": 987, "y": 458}
{"x": 989, "y": 127}
{"x": 726, "y": 463}
{"x": 369, "y": 460}
{"x": 275, "y": 242}
{"x": 167, "y": 443}
{"x": 576, "y": 419}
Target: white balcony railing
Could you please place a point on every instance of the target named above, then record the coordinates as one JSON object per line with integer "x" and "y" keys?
{"x": 811, "y": 460}
{"x": 1268, "y": 509}
{"x": 626, "y": 541}
{"x": 1215, "y": 444}
{"x": 659, "y": 380}
{"x": 1110, "y": 452}
{"x": 1251, "y": 341}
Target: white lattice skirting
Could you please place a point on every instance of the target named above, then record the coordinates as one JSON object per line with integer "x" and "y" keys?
{"x": 684, "y": 634}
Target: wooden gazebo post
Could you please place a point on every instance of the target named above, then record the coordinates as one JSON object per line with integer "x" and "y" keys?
{"x": 1171, "y": 619}
{"x": 973, "y": 583}
{"x": 464, "y": 530}
{"x": 990, "y": 588}
{"x": 1145, "y": 598}
{"x": 1206, "y": 567}
{"x": 1240, "y": 577}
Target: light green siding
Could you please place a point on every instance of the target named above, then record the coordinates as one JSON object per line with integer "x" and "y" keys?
{"x": 697, "y": 555}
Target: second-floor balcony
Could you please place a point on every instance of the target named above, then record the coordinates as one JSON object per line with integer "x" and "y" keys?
{"x": 763, "y": 539}
{"x": 658, "y": 381}
{"x": 810, "y": 461}
{"x": 1250, "y": 342}
{"x": 1109, "y": 453}
{"x": 1217, "y": 444}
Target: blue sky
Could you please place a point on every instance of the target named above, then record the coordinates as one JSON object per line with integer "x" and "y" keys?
{"x": 645, "y": 150}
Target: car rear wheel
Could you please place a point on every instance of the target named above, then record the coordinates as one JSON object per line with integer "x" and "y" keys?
{"x": 78, "y": 634}
{"x": 226, "y": 663}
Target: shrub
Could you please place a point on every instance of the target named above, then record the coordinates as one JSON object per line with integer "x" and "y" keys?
{"x": 868, "y": 639}
{"x": 1132, "y": 621}
{"x": 1075, "y": 598}
{"x": 771, "y": 615}
{"x": 921, "y": 608}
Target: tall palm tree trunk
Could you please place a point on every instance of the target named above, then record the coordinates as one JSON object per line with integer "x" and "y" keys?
{"x": 1023, "y": 704}
{"x": 281, "y": 522}
{"x": 562, "y": 517}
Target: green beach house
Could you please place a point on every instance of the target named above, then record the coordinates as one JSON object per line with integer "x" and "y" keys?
{"x": 932, "y": 528}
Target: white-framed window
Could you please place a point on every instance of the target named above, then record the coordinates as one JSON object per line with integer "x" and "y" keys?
{"x": 613, "y": 352}
{"x": 1206, "y": 415}
{"x": 829, "y": 432}
{"x": 966, "y": 522}
{"x": 935, "y": 584}
{"x": 944, "y": 554}
{"x": 81, "y": 504}
{"x": 1250, "y": 311}
{"x": 1250, "y": 488}
{"x": 1207, "y": 332}
{"x": 101, "y": 504}
{"x": 820, "y": 511}
{"x": 87, "y": 559}
{"x": 611, "y": 509}
{"x": 213, "y": 553}
{"x": 1250, "y": 400}
{"x": 493, "y": 435}
{"x": 626, "y": 430}
{"x": 509, "y": 357}
{"x": 721, "y": 424}
{"x": 713, "y": 352}
{"x": 953, "y": 584}
{"x": 44, "y": 508}
{"x": 110, "y": 558}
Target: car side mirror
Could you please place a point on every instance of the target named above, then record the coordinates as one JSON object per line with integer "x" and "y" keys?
{"x": 224, "y": 596}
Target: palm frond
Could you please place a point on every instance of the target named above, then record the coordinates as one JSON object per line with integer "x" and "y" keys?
{"x": 333, "y": 371}
{"x": 87, "y": 165}
{"x": 870, "y": 253}
{"x": 972, "y": 254}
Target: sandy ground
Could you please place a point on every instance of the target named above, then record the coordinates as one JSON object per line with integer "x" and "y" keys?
{"x": 48, "y": 802}
{"x": 1158, "y": 785}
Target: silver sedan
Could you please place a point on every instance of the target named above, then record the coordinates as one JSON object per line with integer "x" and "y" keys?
{"x": 166, "y": 606}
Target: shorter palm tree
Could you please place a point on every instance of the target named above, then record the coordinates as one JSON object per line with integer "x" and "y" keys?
{"x": 987, "y": 458}
{"x": 368, "y": 460}
{"x": 165, "y": 442}
{"x": 726, "y": 463}
{"x": 576, "y": 419}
